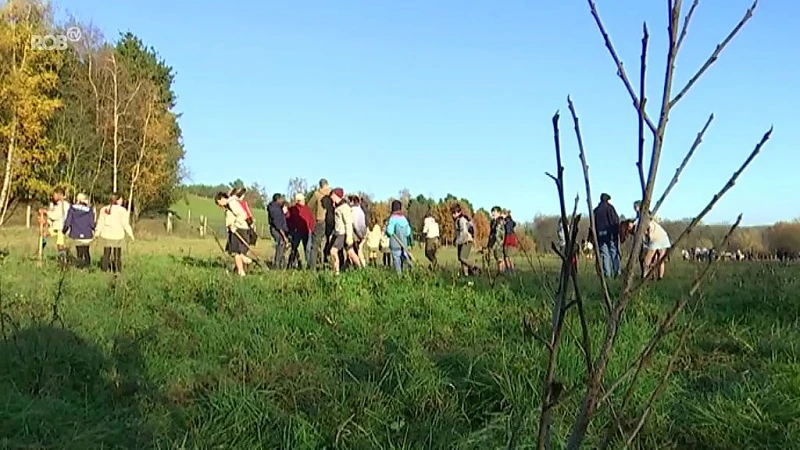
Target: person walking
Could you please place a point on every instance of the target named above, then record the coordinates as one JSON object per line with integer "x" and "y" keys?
{"x": 464, "y": 237}
{"x": 301, "y": 226}
{"x": 343, "y": 233}
{"x": 359, "y": 227}
{"x": 510, "y": 241}
{"x": 497, "y": 235}
{"x": 278, "y": 229}
{"x": 318, "y": 209}
{"x": 606, "y": 234}
{"x": 113, "y": 224}
{"x": 79, "y": 226}
{"x": 430, "y": 232}
{"x": 399, "y": 232}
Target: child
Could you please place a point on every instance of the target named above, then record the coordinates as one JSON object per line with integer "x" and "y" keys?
{"x": 80, "y": 226}
{"x": 56, "y": 214}
{"x": 373, "y": 244}
{"x": 384, "y": 246}
{"x": 510, "y": 241}
{"x": 399, "y": 232}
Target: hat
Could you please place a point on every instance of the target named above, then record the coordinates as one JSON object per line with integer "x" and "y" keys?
{"x": 604, "y": 197}
{"x": 339, "y": 192}
{"x": 300, "y": 197}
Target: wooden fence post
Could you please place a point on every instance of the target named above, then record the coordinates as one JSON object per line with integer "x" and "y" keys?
{"x": 28, "y": 217}
{"x": 205, "y": 225}
{"x": 169, "y": 223}
{"x": 189, "y": 216}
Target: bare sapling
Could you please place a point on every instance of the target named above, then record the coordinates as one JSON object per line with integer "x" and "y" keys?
{"x": 597, "y": 390}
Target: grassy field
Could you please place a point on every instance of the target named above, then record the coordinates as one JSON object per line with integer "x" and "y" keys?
{"x": 175, "y": 353}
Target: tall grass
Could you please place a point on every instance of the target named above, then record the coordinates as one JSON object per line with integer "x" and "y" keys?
{"x": 175, "y": 353}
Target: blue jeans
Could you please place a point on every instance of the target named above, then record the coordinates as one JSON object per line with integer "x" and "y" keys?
{"x": 398, "y": 258}
{"x": 609, "y": 255}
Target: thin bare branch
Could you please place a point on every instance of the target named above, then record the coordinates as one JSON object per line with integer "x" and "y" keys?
{"x": 671, "y": 320}
{"x": 550, "y": 390}
{"x": 686, "y": 21}
{"x": 731, "y": 182}
{"x": 642, "y": 104}
{"x": 597, "y": 259}
{"x": 620, "y": 68}
{"x": 673, "y": 12}
{"x": 714, "y": 55}
{"x": 697, "y": 141}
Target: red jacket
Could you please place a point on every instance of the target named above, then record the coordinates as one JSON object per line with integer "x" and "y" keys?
{"x": 300, "y": 220}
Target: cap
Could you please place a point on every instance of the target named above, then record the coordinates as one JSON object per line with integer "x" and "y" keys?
{"x": 339, "y": 192}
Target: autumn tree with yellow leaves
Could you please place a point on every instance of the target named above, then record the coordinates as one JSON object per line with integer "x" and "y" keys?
{"x": 96, "y": 117}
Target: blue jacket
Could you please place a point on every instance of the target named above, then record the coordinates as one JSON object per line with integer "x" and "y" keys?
{"x": 79, "y": 223}
{"x": 398, "y": 226}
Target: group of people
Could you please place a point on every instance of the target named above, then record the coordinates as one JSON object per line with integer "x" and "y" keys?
{"x": 334, "y": 229}
{"x": 610, "y": 232}
{"x": 77, "y": 222}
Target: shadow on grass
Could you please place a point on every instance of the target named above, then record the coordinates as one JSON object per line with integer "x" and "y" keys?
{"x": 60, "y": 391}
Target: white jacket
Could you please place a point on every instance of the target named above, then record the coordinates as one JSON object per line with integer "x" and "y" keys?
{"x": 113, "y": 223}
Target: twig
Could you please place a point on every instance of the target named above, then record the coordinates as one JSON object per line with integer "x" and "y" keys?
{"x": 550, "y": 394}
{"x": 592, "y": 224}
{"x": 714, "y": 55}
{"x": 660, "y": 388}
{"x": 620, "y": 68}
{"x": 642, "y": 104}
{"x": 731, "y": 182}
{"x": 686, "y": 21}
{"x": 697, "y": 141}
{"x": 665, "y": 327}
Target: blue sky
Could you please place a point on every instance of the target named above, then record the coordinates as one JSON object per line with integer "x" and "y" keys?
{"x": 380, "y": 95}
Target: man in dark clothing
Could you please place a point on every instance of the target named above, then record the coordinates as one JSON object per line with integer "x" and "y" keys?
{"x": 278, "y": 228}
{"x": 330, "y": 214}
{"x": 606, "y": 222}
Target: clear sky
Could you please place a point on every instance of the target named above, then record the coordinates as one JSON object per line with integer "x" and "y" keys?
{"x": 380, "y": 95}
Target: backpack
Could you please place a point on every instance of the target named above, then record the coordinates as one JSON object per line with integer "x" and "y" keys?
{"x": 470, "y": 227}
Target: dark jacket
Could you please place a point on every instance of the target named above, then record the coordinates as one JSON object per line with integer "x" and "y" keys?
{"x": 492, "y": 233}
{"x": 79, "y": 223}
{"x": 606, "y": 221}
{"x": 330, "y": 213}
{"x": 510, "y": 225}
{"x": 277, "y": 219}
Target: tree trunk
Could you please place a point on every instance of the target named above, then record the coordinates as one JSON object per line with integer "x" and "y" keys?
{"x": 116, "y": 123}
{"x": 5, "y": 193}
{"x": 137, "y": 169}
